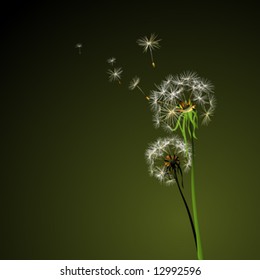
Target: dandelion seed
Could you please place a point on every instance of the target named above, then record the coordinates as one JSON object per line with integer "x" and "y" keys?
{"x": 111, "y": 61}
{"x": 168, "y": 79}
{"x": 135, "y": 84}
{"x": 154, "y": 102}
{"x": 161, "y": 90}
{"x": 149, "y": 44}
{"x": 161, "y": 175}
{"x": 206, "y": 85}
{"x": 200, "y": 98}
{"x": 156, "y": 121}
{"x": 188, "y": 76}
{"x": 173, "y": 94}
{"x": 115, "y": 74}
{"x": 167, "y": 127}
{"x": 212, "y": 102}
{"x": 169, "y": 114}
{"x": 79, "y": 46}
{"x": 206, "y": 116}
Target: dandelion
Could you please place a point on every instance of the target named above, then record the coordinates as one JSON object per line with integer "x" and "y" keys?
{"x": 206, "y": 116}
{"x": 79, "y": 46}
{"x": 135, "y": 84}
{"x": 115, "y": 74}
{"x": 166, "y": 148}
{"x": 149, "y": 44}
{"x": 180, "y": 99}
{"x": 111, "y": 61}
{"x": 166, "y": 158}
{"x": 179, "y": 102}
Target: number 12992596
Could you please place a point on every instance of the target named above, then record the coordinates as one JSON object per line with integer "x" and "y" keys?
{"x": 186, "y": 270}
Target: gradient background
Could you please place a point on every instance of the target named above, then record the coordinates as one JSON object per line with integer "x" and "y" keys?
{"x": 74, "y": 181}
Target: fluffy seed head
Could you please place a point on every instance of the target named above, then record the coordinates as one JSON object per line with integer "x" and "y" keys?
{"x": 165, "y": 148}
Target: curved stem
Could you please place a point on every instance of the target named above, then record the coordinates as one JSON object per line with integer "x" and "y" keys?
{"x": 194, "y": 205}
{"x": 188, "y": 210}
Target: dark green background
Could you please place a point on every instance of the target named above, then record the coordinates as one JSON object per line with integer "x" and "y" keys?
{"x": 74, "y": 181}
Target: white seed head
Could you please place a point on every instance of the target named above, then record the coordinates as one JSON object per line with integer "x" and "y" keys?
{"x": 186, "y": 88}
{"x": 157, "y": 152}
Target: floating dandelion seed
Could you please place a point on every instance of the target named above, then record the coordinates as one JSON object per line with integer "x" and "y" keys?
{"x": 79, "y": 46}
{"x": 149, "y": 44}
{"x": 135, "y": 84}
{"x": 206, "y": 116}
{"x": 111, "y": 60}
{"x": 115, "y": 74}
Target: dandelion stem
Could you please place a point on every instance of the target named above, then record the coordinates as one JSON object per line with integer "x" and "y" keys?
{"x": 188, "y": 211}
{"x": 194, "y": 204}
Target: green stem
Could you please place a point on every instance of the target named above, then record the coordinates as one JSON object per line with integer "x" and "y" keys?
{"x": 194, "y": 205}
{"x": 188, "y": 211}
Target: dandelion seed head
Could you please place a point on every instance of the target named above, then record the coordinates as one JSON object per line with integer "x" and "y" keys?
{"x": 182, "y": 94}
{"x": 161, "y": 149}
